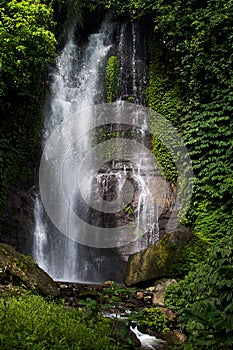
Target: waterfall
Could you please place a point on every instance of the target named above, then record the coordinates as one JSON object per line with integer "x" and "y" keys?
{"x": 40, "y": 237}
{"x": 74, "y": 86}
{"x": 77, "y": 84}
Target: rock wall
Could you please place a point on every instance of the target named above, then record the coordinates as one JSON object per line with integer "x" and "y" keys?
{"x": 155, "y": 262}
{"x": 18, "y": 219}
{"x": 16, "y": 268}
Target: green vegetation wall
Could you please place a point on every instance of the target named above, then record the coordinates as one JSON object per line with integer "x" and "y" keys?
{"x": 27, "y": 47}
{"x": 198, "y": 42}
{"x": 162, "y": 97}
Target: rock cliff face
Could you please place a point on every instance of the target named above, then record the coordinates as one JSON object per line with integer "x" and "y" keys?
{"x": 17, "y": 269}
{"x": 154, "y": 262}
{"x": 18, "y": 220}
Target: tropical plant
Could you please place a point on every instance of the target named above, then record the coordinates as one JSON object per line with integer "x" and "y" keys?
{"x": 31, "y": 322}
{"x": 204, "y": 298}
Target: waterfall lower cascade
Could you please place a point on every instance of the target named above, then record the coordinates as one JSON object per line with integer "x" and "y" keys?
{"x": 77, "y": 87}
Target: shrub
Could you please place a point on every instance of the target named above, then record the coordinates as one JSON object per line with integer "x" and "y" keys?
{"x": 34, "y": 323}
{"x": 154, "y": 319}
{"x": 203, "y": 300}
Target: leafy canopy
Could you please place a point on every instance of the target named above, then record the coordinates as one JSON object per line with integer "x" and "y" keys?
{"x": 27, "y": 44}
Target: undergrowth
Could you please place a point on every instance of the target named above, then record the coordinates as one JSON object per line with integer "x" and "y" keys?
{"x": 31, "y": 322}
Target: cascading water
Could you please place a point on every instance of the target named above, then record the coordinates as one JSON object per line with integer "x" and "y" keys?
{"x": 40, "y": 239}
{"x": 74, "y": 87}
{"x": 78, "y": 84}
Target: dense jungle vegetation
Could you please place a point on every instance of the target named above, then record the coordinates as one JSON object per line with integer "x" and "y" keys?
{"x": 190, "y": 83}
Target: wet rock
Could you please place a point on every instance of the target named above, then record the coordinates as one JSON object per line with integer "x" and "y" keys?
{"x": 158, "y": 299}
{"x": 108, "y": 284}
{"x": 163, "y": 284}
{"x": 145, "y": 297}
{"x": 133, "y": 303}
{"x": 156, "y": 261}
{"x": 72, "y": 293}
{"x": 171, "y": 316}
{"x": 139, "y": 295}
{"x": 18, "y": 220}
{"x": 17, "y": 268}
{"x": 175, "y": 336}
{"x": 159, "y": 290}
{"x": 148, "y": 299}
{"x": 124, "y": 335}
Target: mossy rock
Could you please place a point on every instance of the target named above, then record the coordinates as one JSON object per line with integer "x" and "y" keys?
{"x": 156, "y": 261}
{"x": 18, "y": 269}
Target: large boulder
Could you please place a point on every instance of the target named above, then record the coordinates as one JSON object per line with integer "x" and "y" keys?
{"x": 16, "y": 268}
{"x": 156, "y": 261}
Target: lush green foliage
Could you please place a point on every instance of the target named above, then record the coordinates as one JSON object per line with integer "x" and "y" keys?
{"x": 154, "y": 319}
{"x": 204, "y": 300}
{"x": 190, "y": 83}
{"x": 27, "y": 46}
{"x": 111, "y": 78}
{"x": 33, "y": 323}
{"x": 133, "y": 8}
{"x": 193, "y": 252}
{"x": 211, "y": 223}
{"x": 197, "y": 38}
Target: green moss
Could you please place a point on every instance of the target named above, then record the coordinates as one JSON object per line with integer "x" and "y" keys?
{"x": 111, "y": 78}
{"x": 17, "y": 269}
{"x": 158, "y": 260}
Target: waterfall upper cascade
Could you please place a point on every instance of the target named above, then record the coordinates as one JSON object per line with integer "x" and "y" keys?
{"x": 77, "y": 84}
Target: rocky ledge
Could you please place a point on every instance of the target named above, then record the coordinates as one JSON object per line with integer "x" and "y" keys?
{"x": 147, "y": 266}
{"x": 18, "y": 269}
